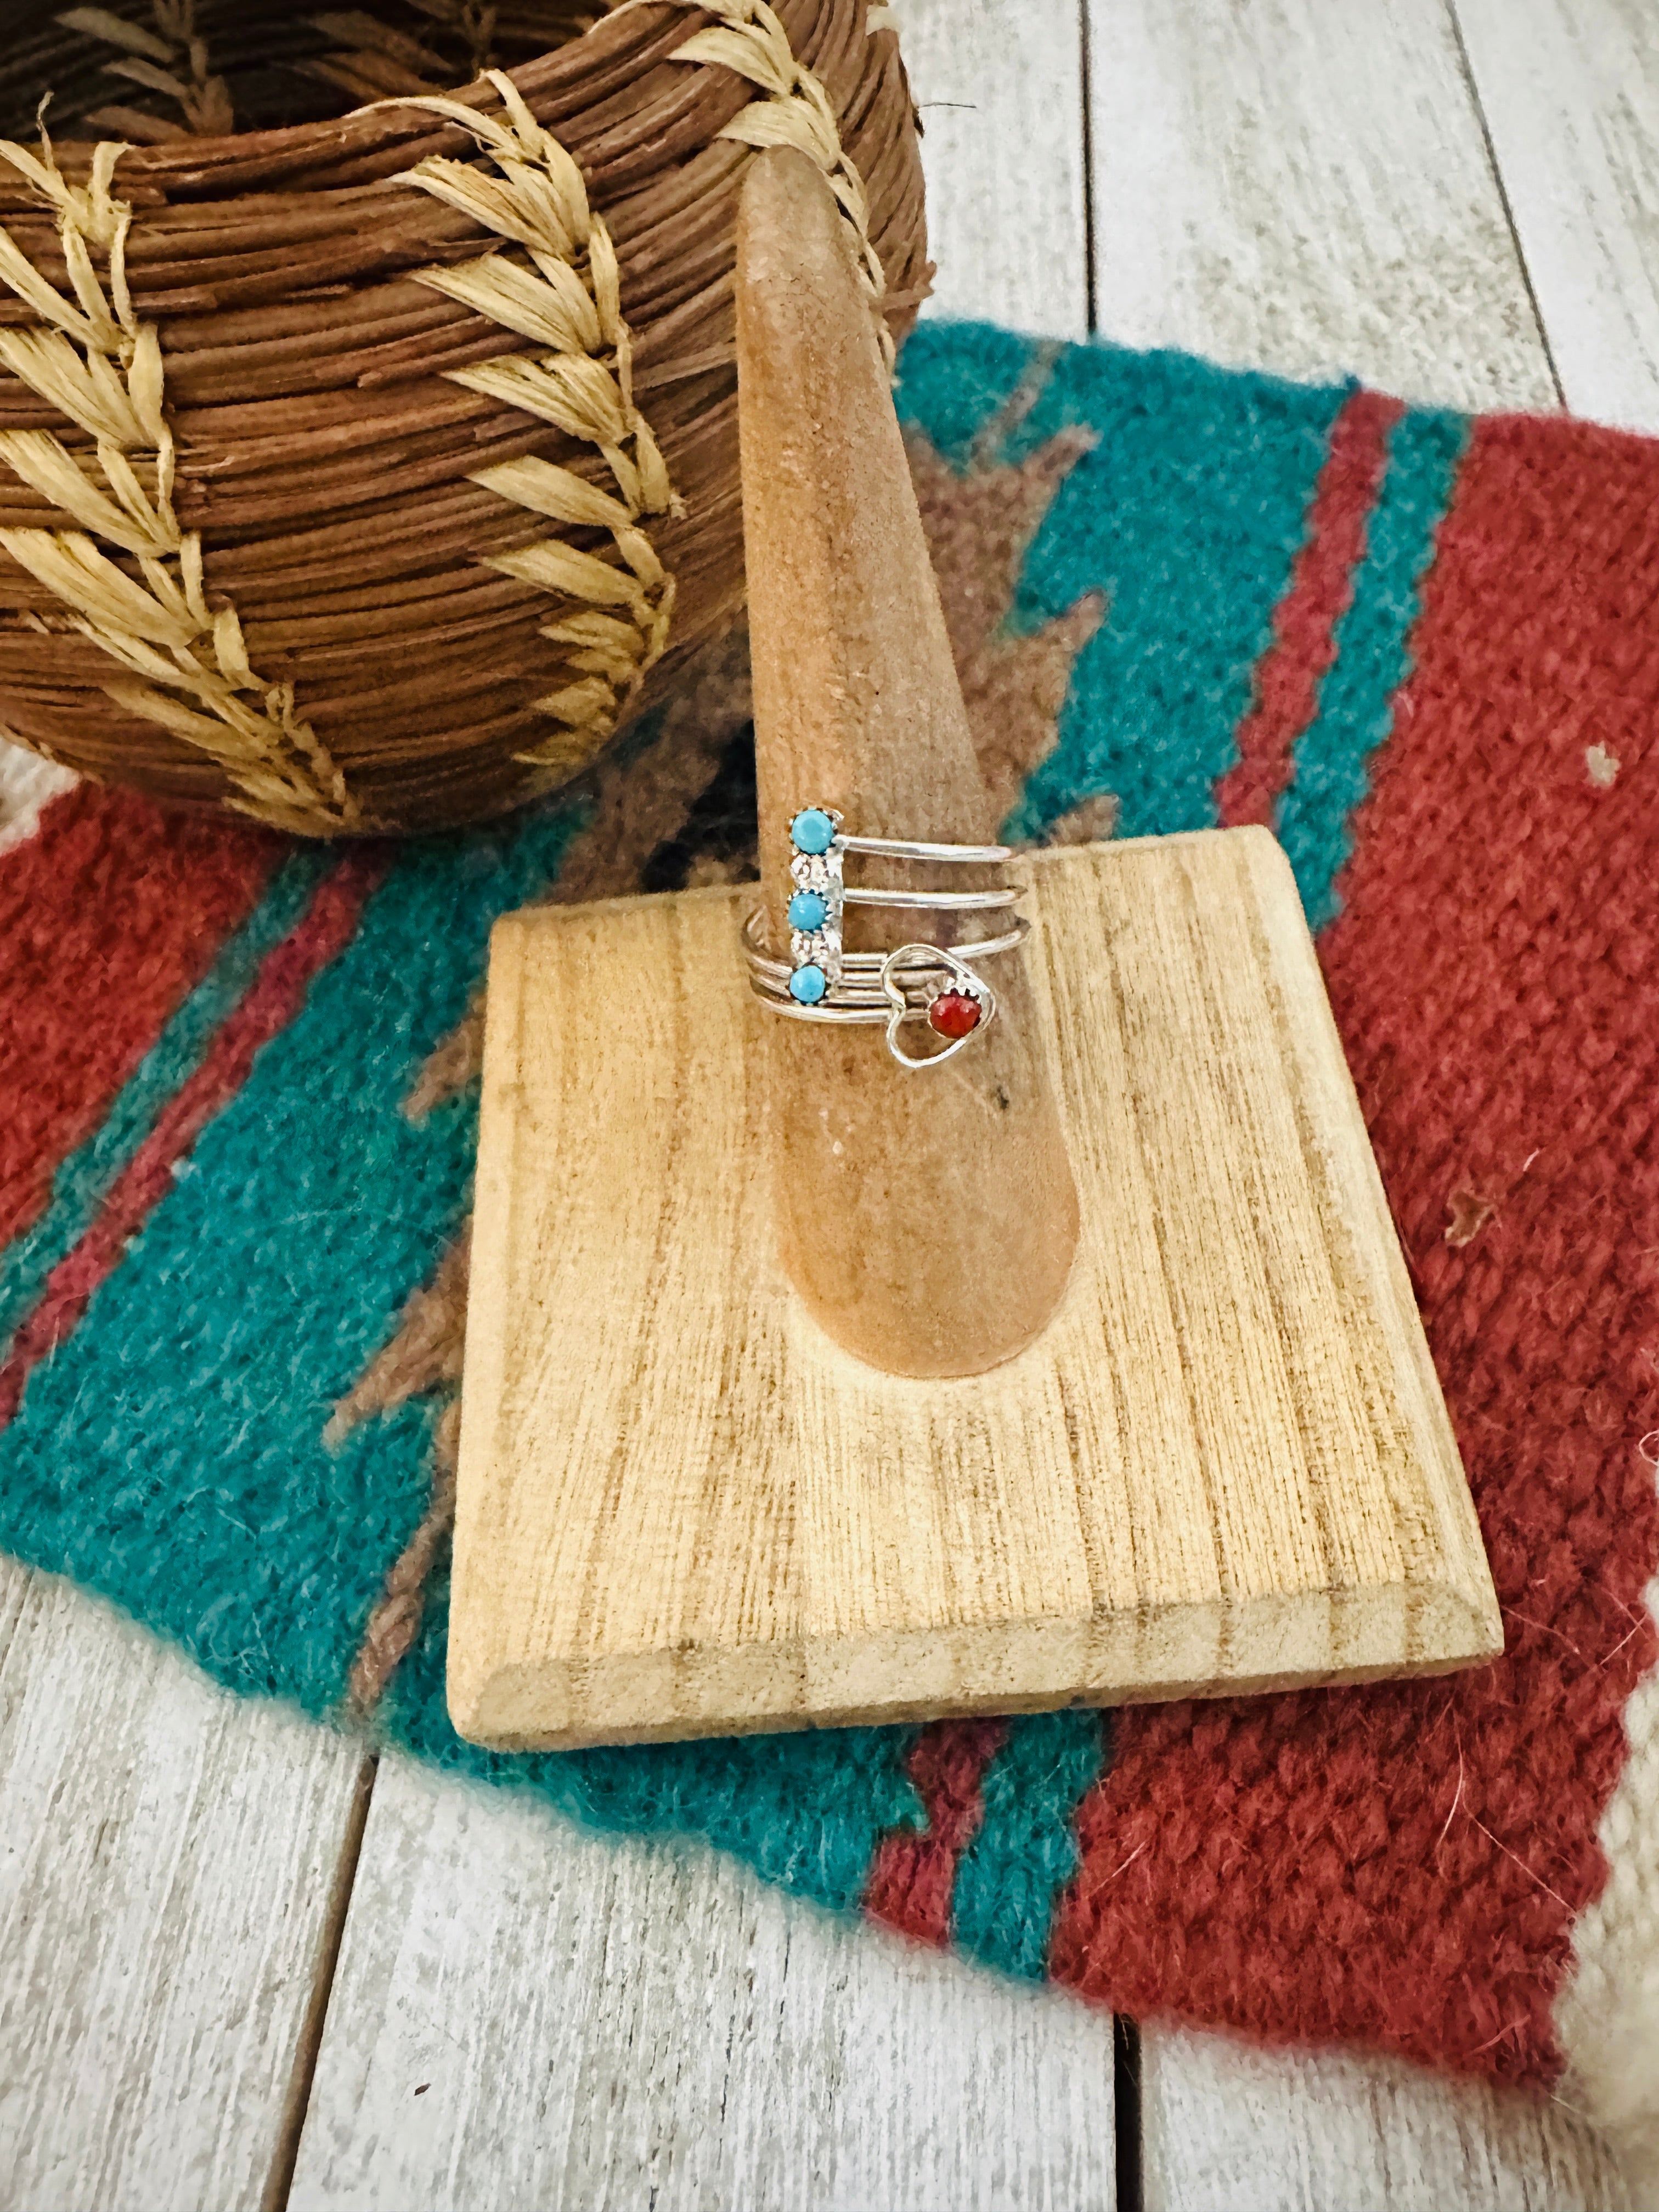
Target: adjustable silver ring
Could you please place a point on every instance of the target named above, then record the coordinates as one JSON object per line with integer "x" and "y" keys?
{"x": 821, "y": 982}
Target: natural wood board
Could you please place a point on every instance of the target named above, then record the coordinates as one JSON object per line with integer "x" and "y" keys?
{"x": 1227, "y": 2125}
{"x": 1225, "y": 1465}
{"x": 598, "y": 2024}
{"x": 1303, "y": 187}
{"x": 1570, "y": 93}
{"x": 167, "y": 1854}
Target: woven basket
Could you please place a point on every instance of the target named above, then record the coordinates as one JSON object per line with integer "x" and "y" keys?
{"x": 367, "y": 471}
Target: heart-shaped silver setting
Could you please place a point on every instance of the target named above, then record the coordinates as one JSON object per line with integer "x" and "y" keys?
{"x": 963, "y": 978}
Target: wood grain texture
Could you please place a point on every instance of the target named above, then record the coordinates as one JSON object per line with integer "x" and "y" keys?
{"x": 683, "y": 1510}
{"x": 1227, "y": 2126}
{"x": 1570, "y": 90}
{"x": 1303, "y": 187}
{"x": 999, "y": 88}
{"x": 167, "y": 1856}
{"x": 601, "y": 2025}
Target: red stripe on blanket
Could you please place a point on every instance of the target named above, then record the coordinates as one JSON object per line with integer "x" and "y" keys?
{"x": 913, "y": 1877}
{"x": 1318, "y": 595}
{"x": 1402, "y": 1865}
{"x": 274, "y": 998}
{"x": 109, "y": 916}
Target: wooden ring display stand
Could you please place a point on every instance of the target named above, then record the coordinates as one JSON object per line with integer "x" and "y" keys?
{"x": 801, "y": 1390}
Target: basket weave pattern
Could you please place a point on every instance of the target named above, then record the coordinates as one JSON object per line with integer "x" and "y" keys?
{"x": 369, "y": 474}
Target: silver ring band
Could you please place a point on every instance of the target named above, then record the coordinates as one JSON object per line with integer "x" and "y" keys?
{"x": 860, "y": 986}
{"x": 908, "y": 848}
{"x": 960, "y": 902}
{"x": 821, "y": 982}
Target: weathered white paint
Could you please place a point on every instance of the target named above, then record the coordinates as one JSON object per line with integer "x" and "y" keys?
{"x": 528, "y": 2016}
{"x": 27, "y": 782}
{"x": 1229, "y": 2127}
{"x": 165, "y": 1859}
{"x": 1304, "y": 186}
{"x": 1570, "y": 90}
{"x": 999, "y": 88}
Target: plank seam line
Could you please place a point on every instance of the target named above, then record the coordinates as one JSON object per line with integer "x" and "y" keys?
{"x": 1473, "y": 85}
{"x": 297, "y": 2103}
{"x": 1092, "y": 317}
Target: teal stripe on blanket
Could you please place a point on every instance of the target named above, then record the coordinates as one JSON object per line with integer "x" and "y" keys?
{"x": 1186, "y": 516}
{"x": 183, "y": 1418}
{"x": 85, "y": 1178}
{"x": 1329, "y": 771}
{"x": 1012, "y": 1873}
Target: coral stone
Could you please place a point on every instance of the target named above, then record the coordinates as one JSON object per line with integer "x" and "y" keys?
{"x": 806, "y": 911}
{"x": 812, "y": 830}
{"x": 808, "y": 985}
{"x": 954, "y": 1014}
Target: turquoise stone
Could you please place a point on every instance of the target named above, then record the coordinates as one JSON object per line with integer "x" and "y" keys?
{"x": 806, "y": 911}
{"x": 808, "y": 985}
{"x": 812, "y": 830}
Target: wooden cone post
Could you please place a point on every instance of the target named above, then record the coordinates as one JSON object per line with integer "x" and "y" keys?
{"x": 1083, "y": 1370}
{"x": 927, "y": 1218}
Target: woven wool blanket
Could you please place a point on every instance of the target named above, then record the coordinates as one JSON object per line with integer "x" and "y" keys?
{"x": 237, "y": 1090}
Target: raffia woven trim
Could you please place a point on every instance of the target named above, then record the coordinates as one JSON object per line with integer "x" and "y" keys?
{"x": 171, "y": 60}
{"x": 569, "y": 297}
{"x": 187, "y": 664}
{"x": 566, "y": 293}
{"x": 749, "y": 40}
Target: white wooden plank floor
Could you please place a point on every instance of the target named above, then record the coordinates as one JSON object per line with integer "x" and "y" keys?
{"x": 1455, "y": 198}
{"x": 1228, "y": 2127}
{"x": 167, "y": 1861}
{"x": 526, "y": 2017}
{"x": 1302, "y": 185}
{"x": 999, "y": 90}
{"x": 1570, "y": 93}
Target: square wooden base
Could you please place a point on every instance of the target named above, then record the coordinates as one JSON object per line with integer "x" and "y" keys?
{"x": 684, "y": 1512}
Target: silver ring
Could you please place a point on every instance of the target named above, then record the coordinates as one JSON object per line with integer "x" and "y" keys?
{"x": 821, "y": 982}
{"x": 908, "y": 848}
{"x": 861, "y": 983}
